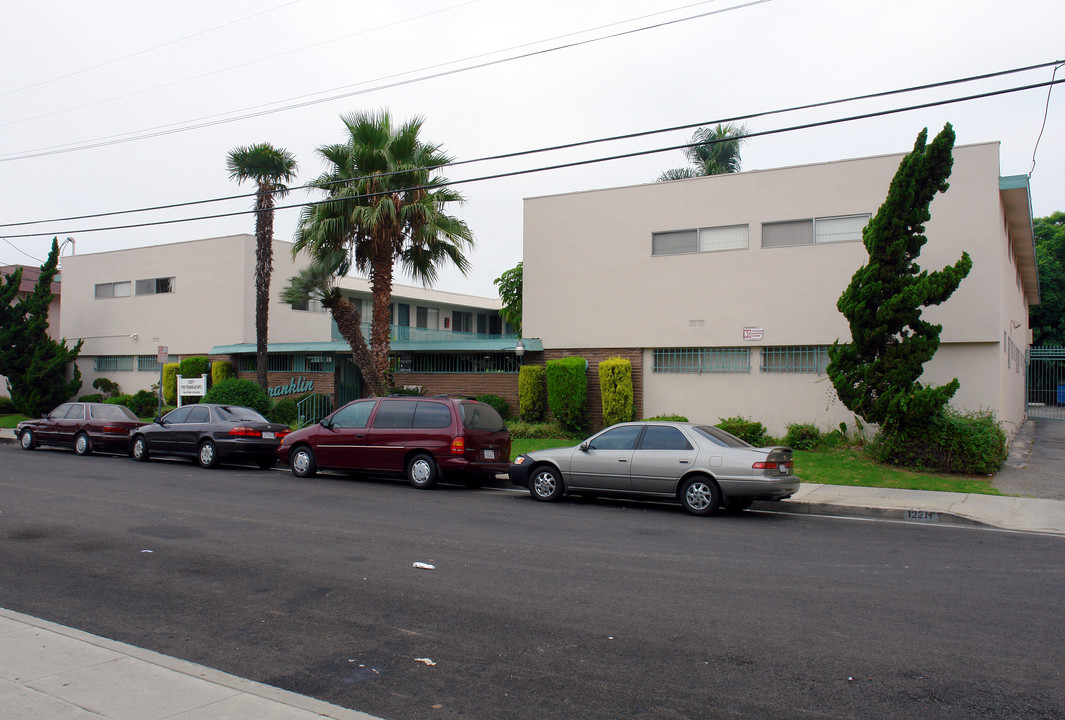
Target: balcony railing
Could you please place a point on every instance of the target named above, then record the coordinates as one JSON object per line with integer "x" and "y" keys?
{"x": 404, "y": 333}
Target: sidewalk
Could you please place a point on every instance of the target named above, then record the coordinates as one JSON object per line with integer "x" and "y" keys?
{"x": 50, "y": 672}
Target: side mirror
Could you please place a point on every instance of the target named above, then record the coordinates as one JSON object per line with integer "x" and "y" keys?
{"x": 158, "y": 419}
{"x": 585, "y": 445}
{"x": 326, "y": 423}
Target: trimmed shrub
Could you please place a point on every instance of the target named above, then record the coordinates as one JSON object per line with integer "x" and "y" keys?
{"x": 144, "y": 403}
{"x": 567, "y": 391}
{"x": 235, "y": 391}
{"x": 615, "y": 384}
{"x": 532, "y": 393}
{"x": 498, "y": 403}
{"x": 969, "y": 443}
{"x": 803, "y": 436}
{"x": 193, "y": 367}
{"x": 532, "y": 431}
{"x": 222, "y": 370}
{"x": 94, "y": 397}
{"x": 170, "y": 372}
{"x": 284, "y": 412}
{"x": 106, "y": 387}
{"x": 745, "y": 429}
{"x": 118, "y": 400}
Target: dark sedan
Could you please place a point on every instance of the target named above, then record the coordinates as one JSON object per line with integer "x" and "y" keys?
{"x": 210, "y": 434}
{"x": 84, "y": 426}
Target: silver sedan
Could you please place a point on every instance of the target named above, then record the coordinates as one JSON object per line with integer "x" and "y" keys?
{"x": 701, "y": 466}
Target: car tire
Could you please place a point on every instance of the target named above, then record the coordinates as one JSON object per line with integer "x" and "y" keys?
{"x": 26, "y": 441}
{"x": 140, "y": 450}
{"x": 422, "y": 472}
{"x": 738, "y": 505}
{"x": 700, "y": 496}
{"x": 207, "y": 455}
{"x": 545, "y": 484}
{"x": 82, "y": 444}
{"x": 302, "y": 462}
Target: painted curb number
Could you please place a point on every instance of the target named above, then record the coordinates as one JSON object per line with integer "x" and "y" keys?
{"x": 922, "y": 515}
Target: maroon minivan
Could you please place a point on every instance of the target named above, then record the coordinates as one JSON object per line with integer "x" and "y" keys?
{"x": 425, "y": 439}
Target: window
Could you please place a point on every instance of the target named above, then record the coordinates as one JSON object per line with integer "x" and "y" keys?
{"x": 620, "y": 438}
{"x": 702, "y": 360}
{"x": 462, "y": 321}
{"x": 155, "y": 286}
{"x": 76, "y": 412}
{"x": 112, "y": 290}
{"x": 277, "y": 362}
{"x": 113, "y": 363}
{"x": 844, "y": 228}
{"x": 394, "y": 414}
{"x": 318, "y": 363}
{"x": 111, "y": 412}
{"x": 708, "y": 239}
{"x": 421, "y": 317}
{"x": 847, "y": 228}
{"x": 148, "y": 363}
{"x": 60, "y": 412}
{"x": 199, "y": 414}
{"x": 786, "y": 234}
{"x": 662, "y": 437}
{"x": 455, "y": 362}
{"x": 404, "y": 315}
{"x": 355, "y": 415}
{"x": 795, "y": 359}
{"x": 179, "y": 415}
{"x": 432, "y": 415}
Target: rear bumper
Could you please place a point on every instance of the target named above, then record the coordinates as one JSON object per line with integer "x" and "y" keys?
{"x": 779, "y": 488}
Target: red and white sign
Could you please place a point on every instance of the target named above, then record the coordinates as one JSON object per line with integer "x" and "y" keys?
{"x": 164, "y": 353}
{"x": 752, "y": 333}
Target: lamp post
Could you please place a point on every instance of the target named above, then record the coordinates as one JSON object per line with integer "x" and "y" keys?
{"x": 519, "y": 349}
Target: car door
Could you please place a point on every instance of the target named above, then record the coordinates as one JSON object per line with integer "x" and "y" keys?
{"x": 195, "y": 427}
{"x": 48, "y": 427}
{"x": 663, "y": 455}
{"x": 163, "y": 435}
{"x": 386, "y": 439}
{"x": 603, "y": 461}
{"x": 341, "y": 439}
{"x": 73, "y": 421}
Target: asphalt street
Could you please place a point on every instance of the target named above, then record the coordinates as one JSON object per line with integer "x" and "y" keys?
{"x": 591, "y": 609}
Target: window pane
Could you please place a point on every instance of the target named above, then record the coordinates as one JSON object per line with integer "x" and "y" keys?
{"x": 394, "y": 414}
{"x": 784, "y": 234}
{"x": 164, "y": 285}
{"x": 622, "y": 438}
{"x": 659, "y": 437}
{"x": 432, "y": 415}
{"x": 839, "y": 229}
{"x": 355, "y": 415}
{"x": 732, "y": 237}
{"x": 76, "y": 412}
{"x": 146, "y": 287}
{"x": 795, "y": 359}
{"x": 122, "y": 289}
{"x": 105, "y": 290}
{"x": 674, "y": 242}
{"x": 421, "y": 317}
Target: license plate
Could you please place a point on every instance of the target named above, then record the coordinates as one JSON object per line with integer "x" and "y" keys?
{"x": 489, "y": 454}
{"x": 783, "y": 469}
{"x": 268, "y": 435}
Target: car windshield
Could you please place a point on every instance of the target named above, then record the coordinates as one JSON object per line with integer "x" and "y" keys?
{"x": 720, "y": 437}
{"x": 111, "y": 412}
{"x": 479, "y": 416}
{"x": 233, "y": 413}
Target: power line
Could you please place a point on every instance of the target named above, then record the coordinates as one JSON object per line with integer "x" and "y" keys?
{"x": 582, "y": 143}
{"x": 577, "y": 163}
{"x": 174, "y": 128}
{"x": 1046, "y": 113}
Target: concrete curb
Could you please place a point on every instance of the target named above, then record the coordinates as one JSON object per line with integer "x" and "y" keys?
{"x": 912, "y": 515}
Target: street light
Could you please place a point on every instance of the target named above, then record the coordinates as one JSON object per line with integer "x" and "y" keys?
{"x": 519, "y": 349}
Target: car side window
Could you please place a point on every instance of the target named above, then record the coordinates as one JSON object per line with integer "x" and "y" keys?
{"x": 394, "y": 414}
{"x": 620, "y": 438}
{"x": 355, "y": 415}
{"x": 199, "y": 414}
{"x": 60, "y": 412}
{"x": 432, "y": 415}
{"x": 179, "y": 415}
{"x": 76, "y": 412}
{"x": 660, "y": 437}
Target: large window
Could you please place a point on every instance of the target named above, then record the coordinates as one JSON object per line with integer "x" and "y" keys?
{"x": 702, "y": 360}
{"x": 708, "y": 239}
{"x": 113, "y": 290}
{"x": 795, "y": 359}
{"x": 114, "y": 363}
{"x": 148, "y": 363}
{"x": 845, "y": 228}
{"x": 462, "y": 321}
{"x": 155, "y": 286}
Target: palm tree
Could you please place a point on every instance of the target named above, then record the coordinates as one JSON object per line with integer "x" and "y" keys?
{"x": 386, "y": 207}
{"x": 270, "y": 168}
{"x": 714, "y": 151}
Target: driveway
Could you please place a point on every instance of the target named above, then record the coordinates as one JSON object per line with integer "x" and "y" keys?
{"x": 1036, "y": 463}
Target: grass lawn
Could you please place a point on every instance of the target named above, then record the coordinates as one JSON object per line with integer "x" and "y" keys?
{"x": 845, "y": 466}
{"x": 10, "y": 421}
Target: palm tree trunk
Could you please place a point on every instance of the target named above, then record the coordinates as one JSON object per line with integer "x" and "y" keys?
{"x": 264, "y": 266}
{"x": 349, "y": 324}
{"x": 381, "y": 321}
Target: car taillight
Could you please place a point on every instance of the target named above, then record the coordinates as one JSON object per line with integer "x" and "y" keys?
{"x": 245, "y": 431}
{"x": 765, "y": 466}
{"x": 115, "y": 429}
{"x": 458, "y": 446}
{"x": 283, "y": 433}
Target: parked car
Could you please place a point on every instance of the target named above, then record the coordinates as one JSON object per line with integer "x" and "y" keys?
{"x": 424, "y": 439}
{"x": 700, "y": 466}
{"x": 84, "y": 426}
{"x": 210, "y": 434}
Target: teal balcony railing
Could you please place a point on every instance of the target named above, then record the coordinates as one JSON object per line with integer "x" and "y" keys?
{"x": 404, "y": 333}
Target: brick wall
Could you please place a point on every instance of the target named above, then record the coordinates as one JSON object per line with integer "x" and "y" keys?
{"x": 505, "y": 385}
{"x": 594, "y": 406}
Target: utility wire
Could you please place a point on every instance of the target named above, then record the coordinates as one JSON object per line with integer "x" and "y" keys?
{"x": 569, "y": 146}
{"x": 1046, "y": 112}
{"x": 174, "y": 128}
{"x": 559, "y": 166}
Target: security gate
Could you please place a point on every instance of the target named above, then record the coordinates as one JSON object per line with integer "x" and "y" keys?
{"x": 1046, "y": 383}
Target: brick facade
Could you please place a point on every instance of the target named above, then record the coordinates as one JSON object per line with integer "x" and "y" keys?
{"x": 594, "y": 405}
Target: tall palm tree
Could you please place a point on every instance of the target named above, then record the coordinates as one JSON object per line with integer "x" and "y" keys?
{"x": 387, "y": 207}
{"x": 714, "y": 151}
{"x": 270, "y": 168}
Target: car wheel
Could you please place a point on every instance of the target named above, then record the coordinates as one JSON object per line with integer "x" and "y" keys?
{"x": 545, "y": 484}
{"x": 208, "y": 455}
{"x": 738, "y": 505}
{"x": 82, "y": 444}
{"x": 700, "y": 496}
{"x": 421, "y": 471}
{"x": 26, "y": 440}
{"x": 140, "y": 449}
{"x": 303, "y": 463}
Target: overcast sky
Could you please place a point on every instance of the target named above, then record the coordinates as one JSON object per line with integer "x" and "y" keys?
{"x": 85, "y": 74}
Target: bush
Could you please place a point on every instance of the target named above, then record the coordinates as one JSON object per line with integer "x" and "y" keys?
{"x": 6, "y": 406}
{"x": 615, "y": 384}
{"x": 235, "y": 391}
{"x": 745, "y": 429}
{"x": 118, "y": 400}
{"x": 107, "y": 387}
{"x": 222, "y": 370}
{"x": 531, "y": 431}
{"x": 193, "y": 367}
{"x": 170, "y": 372}
{"x": 414, "y": 390}
{"x": 498, "y": 403}
{"x": 94, "y": 397}
{"x": 803, "y": 436}
{"x": 144, "y": 403}
{"x": 532, "y": 393}
{"x": 969, "y": 443}
{"x": 284, "y": 412}
{"x": 669, "y": 418}
{"x": 567, "y": 391}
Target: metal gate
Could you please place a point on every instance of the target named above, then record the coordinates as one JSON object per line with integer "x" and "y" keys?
{"x": 1046, "y": 383}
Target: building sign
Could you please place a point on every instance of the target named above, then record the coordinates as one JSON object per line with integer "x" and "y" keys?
{"x": 163, "y": 354}
{"x": 295, "y": 386}
{"x": 191, "y": 386}
{"x": 752, "y": 333}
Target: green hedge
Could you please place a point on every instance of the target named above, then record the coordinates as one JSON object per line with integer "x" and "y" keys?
{"x": 745, "y": 429}
{"x": 615, "y": 384}
{"x": 498, "y": 403}
{"x": 803, "y": 436}
{"x": 284, "y": 412}
{"x": 170, "y": 371}
{"x": 532, "y": 393}
{"x": 567, "y": 391}
{"x": 522, "y": 430}
{"x": 234, "y": 391}
{"x": 969, "y": 443}
{"x": 222, "y": 370}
